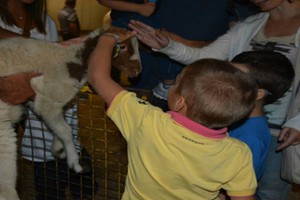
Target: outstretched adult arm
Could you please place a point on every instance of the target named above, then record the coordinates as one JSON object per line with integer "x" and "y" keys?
{"x": 154, "y": 38}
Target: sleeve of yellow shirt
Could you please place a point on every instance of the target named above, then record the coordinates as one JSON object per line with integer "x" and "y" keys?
{"x": 245, "y": 179}
{"x": 128, "y": 111}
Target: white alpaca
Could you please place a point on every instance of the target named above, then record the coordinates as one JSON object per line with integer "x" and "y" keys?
{"x": 63, "y": 74}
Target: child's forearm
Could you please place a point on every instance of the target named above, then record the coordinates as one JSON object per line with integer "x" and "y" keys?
{"x": 100, "y": 67}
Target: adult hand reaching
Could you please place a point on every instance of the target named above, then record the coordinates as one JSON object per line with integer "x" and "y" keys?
{"x": 288, "y": 136}
{"x": 154, "y": 38}
{"x": 16, "y": 89}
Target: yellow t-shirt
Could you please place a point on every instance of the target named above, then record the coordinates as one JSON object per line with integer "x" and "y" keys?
{"x": 167, "y": 160}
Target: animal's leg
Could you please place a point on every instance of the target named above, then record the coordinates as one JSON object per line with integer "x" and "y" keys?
{"x": 8, "y": 165}
{"x": 57, "y": 123}
{"x": 64, "y": 133}
{"x": 50, "y": 99}
{"x": 8, "y": 151}
{"x": 58, "y": 148}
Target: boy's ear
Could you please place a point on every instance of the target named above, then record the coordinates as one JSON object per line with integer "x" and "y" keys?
{"x": 261, "y": 93}
{"x": 180, "y": 104}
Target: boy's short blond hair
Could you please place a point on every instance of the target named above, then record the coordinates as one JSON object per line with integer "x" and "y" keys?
{"x": 216, "y": 93}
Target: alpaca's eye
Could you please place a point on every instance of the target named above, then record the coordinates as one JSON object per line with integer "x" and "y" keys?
{"x": 122, "y": 46}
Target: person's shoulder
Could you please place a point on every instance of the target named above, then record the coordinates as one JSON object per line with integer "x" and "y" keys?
{"x": 49, "y": 19}
{"x": 258, "y": 16}
{"x": 237, "y": 145}
{"x": 251, "y": 22}
{"x": 51, "y": 29}
{"x": 50, "y": 22}
{"x": 122, "y": 98}
{"x": 128, "y": 102}
{"x": 126, "y": 96}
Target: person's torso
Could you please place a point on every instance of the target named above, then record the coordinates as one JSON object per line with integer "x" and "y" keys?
{"x": 173, "y": 160}
{"x": 194, "y": 19}
{"x": 51, "y": 30}
{"x": 116, "y": 14}
{"x": 68, "y": 15}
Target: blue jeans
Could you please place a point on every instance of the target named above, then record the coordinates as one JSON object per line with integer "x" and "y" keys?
{"x": 271, "y": 186}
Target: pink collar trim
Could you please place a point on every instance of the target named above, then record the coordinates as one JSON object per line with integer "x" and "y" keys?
{"x": 198, "y": 128}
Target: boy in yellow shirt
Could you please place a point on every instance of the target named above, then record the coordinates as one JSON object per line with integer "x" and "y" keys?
{"x": 185, "y": 153}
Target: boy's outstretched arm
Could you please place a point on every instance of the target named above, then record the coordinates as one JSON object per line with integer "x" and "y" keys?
{"x": 99, "y": 68}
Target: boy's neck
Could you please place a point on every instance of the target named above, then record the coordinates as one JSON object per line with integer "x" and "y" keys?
{"x": 258, "y": 110}
{"x": 257, "y": 113}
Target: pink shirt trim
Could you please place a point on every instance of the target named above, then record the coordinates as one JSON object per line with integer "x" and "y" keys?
{"x": 198, "y": 128}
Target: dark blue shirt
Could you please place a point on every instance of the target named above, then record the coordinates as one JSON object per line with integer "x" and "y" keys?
{"x": 115, "y": 14}
{"x": 194, "y": 19}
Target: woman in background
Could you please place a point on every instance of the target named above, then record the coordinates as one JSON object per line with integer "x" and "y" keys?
{"x": 29, "y": 18}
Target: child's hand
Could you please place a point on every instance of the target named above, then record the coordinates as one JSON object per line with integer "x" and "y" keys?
{"x": 148, "y": 35}
{"x": 120, "y": 34}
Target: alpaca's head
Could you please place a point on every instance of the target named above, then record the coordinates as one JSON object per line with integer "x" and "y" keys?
{"x": 126, "y": 57}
